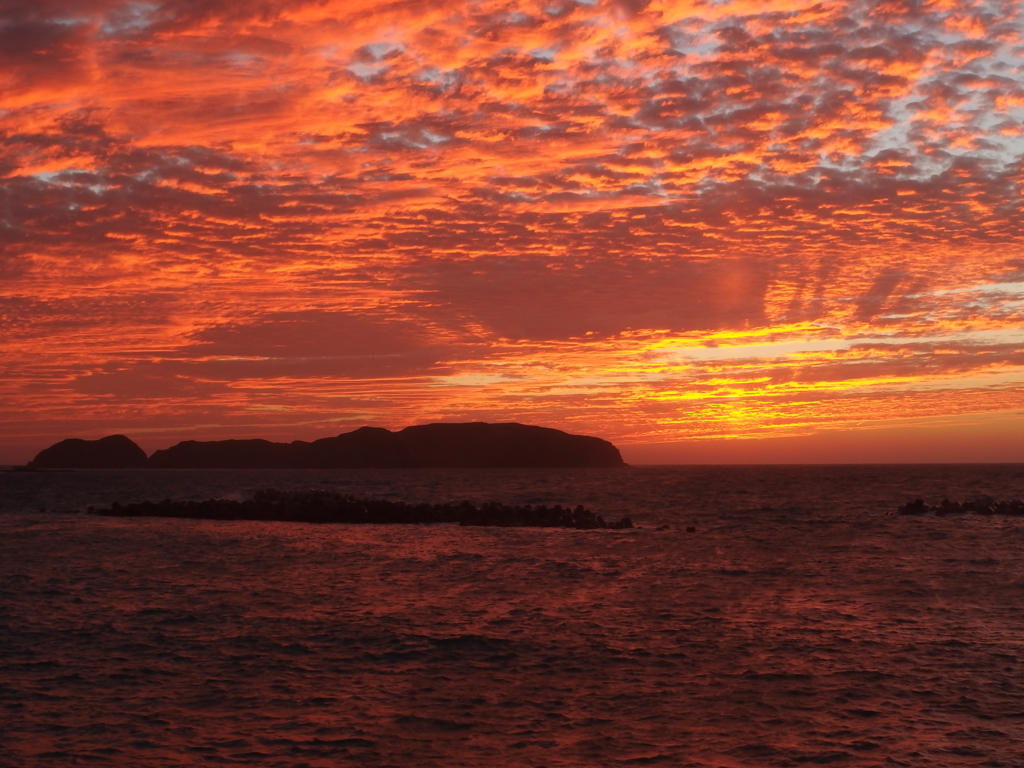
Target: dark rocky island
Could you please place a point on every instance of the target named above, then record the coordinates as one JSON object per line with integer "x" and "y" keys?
{"x": 473, "y": 445}
{"x": 327, "y": 507}
{"x": 113, "y": 452}
{"x": 429, "y": 446}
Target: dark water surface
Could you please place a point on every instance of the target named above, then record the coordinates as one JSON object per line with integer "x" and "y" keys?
{"x": 799, "y": 625}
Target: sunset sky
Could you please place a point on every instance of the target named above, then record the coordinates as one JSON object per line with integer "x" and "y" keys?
{"x": 707, "y": 231}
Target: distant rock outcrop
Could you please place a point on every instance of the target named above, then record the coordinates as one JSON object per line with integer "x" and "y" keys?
{"x": 473, "y": 445}
{"x": 982, "y": 505}
{"x": 113, "y": 452}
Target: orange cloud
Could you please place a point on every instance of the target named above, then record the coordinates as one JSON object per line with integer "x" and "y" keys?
{"x": 648, "y": 220}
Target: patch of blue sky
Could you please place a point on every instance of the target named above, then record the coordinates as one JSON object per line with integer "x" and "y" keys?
{"x": 380, "y": 50}
{"x": 519, "y": 197}
{"x": 129, "y": 17}
{"x": 685, "y": 42}
{"x": 650, "y": 188}
{"x": 898, "y": 136}
{"x": 63, "y": 178}
{"x": 425, "y": 139}
{"x": 430, "y": 75}
{"x": 68, "y": 178}
{"x": 435, "y": 76}
{"x": 364, "y": 71}
{"x": 434, "y": 138}
{"x": 895, "y": 136}
{"x": 548, "y": 54}
{"x": 1011, "y": 147}
{"x": 987, "y": 121}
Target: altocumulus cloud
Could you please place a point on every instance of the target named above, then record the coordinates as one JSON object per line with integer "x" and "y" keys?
{"x": 649, "y": 220}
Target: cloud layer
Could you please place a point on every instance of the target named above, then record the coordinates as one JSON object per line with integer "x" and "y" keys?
{"x": 646, "y": 220}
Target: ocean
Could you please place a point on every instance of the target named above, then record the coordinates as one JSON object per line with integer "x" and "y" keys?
{"x": 799, "y": 624}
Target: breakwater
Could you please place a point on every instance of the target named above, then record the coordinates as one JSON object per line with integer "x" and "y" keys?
{"x": 317, "y": 506}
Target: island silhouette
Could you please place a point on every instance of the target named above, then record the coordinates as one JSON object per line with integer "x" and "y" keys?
{"x": 112, "y": 452}
{"x": 443, "y": 445}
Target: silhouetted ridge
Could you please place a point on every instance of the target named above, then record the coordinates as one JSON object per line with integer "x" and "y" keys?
{"x": 112, "y": 452}
{"x": 328, "y": 507}
{"x": 432, "y": 445}
{"x": 503, "y": 445}
{"x": 228, "y": 454}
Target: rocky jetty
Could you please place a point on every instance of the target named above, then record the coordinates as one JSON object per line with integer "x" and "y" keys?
{"x": 983, "y": 505}
{"x": 472, "y": 445}
{"x": 317, "y": 506}
{"x": 113, "y": 452}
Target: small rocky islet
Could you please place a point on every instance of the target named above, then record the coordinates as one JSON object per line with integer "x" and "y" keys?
{"x": 318, "y": 506}
{"x": 983, "y": 505}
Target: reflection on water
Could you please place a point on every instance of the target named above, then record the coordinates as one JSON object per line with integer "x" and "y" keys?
{"x": 798, "y": 626}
